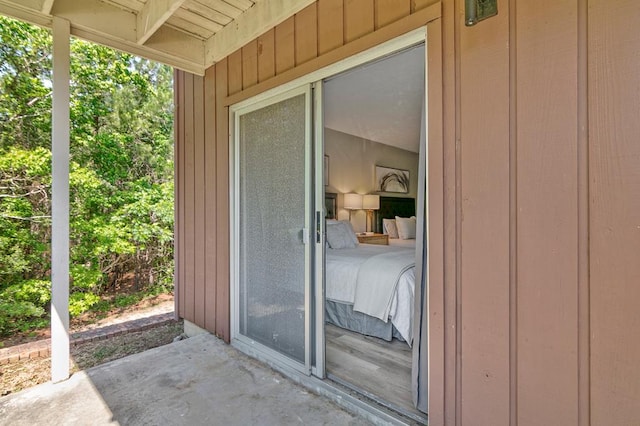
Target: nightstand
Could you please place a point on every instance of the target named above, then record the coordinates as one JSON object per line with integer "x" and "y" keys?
{"x": 380, "y": 239}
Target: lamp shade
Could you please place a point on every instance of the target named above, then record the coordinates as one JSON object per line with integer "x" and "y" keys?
{"x": 353, "y": 201}
{"x": 371, "y": 202}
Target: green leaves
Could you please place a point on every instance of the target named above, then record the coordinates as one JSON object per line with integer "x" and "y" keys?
{"x": 121, "y": 173}
{"x": 81, "y": 302}
{"x": 25, "y": 70}
{"x": 23, "y": 305}
{"x": 36, "y": 292}
{"x": 25, "y": 177}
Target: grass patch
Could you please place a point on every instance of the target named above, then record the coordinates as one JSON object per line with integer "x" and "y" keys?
{"x": 104, "y": 352}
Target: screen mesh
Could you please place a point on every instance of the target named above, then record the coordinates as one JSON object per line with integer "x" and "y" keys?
{"x": 272, "y": 216}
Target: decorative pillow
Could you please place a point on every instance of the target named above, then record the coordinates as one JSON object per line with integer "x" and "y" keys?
{"x": 389, "y": 227}
{"x": 327, "y": 223}
{"x": 348, "y": 228}
{"x": 406, "y": 227}
{"x": 340, "y": 235}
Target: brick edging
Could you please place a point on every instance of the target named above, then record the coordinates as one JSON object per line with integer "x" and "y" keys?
{"x": 42, "y": 348}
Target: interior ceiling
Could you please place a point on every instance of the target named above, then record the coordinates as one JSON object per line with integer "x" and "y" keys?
{"x": 380, "y": 101}
{"x": 188, "y": 34}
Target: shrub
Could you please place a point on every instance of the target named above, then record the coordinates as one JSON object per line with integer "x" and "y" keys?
{"x": 23, "y": 306}
{"x": 81, "y": 302}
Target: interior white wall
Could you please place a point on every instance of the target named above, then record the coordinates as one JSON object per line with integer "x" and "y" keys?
{"x": 379, "y": 100}
{"x": 352, "y": 162}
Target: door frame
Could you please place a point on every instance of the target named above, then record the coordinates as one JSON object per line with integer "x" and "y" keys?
{"x": 313, "y": 79}
{"x": 412, "y": 38}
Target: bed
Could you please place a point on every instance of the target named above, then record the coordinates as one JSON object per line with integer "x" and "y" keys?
{"x": 370, "y": 288}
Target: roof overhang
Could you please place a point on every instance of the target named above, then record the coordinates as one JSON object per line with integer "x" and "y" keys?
{"x": 190, "y": 35}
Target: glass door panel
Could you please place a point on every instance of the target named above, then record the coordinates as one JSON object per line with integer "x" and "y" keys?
{"x": 273, "y": 208}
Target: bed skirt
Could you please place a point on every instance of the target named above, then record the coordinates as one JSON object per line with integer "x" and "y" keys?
{"x": 342, "y": 315}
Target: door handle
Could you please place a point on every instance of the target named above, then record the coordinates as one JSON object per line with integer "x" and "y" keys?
{"x": 305, "y": 236}
{"x": 318, "y": 228}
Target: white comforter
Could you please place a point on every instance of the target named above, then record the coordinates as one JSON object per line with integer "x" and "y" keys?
{"x": 341, "y": 277}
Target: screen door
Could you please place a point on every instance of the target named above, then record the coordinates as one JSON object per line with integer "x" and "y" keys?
{"x": 272, "y": 208}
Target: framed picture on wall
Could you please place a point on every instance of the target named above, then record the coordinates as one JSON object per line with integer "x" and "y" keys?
{"x": 326, "y": 170}
{"x": 330, "y": 205}
{"x": 389, "y": 179}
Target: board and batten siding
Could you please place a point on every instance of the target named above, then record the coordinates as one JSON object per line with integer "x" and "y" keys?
{"x": 322, "y": 33}
{"x": 534, "y": 196}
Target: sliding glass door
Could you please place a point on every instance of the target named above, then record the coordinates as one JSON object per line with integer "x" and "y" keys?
{"x": 273, "y": 226}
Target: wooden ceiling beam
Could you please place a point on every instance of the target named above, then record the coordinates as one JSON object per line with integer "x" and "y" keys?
{"x": 153, "y": 15}
{"x": 168, "y": 46}
{"x": 258, "y": 19}
{"x": 98, "y": 17}
{"x": 47, "y": 5}
{"x": 111, "y": 26}
{"x": 25, "y": 12}
{"x": 143, "y": 33}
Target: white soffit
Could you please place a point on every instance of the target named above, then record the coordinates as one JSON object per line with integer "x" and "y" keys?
{"x": 380, "y": 101}
{"x": 187, "y": 34}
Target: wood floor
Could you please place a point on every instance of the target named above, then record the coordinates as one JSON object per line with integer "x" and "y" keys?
{"x": 373, "y": 365}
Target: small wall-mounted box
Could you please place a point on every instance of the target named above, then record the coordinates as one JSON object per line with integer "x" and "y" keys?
{"x": 478, "y": 10}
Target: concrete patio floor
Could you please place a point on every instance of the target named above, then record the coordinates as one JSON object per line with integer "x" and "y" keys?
{"x": 197, "y": 381}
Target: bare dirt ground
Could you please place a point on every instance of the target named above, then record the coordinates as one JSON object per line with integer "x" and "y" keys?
{"x": 20, "y": 375}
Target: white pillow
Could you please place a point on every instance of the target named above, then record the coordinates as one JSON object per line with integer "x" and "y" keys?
{"x": 348, "y": 228}
{"x": 406, "y": 227}
{"x": 340, "y": 235}
{"x": 389, "y": 227}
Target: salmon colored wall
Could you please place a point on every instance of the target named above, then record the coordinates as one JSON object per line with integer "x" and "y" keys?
{"x": 323, "y": 33}
{"x": 202, "y": 202}
{"x": 613, "y": 69}
{"x": 535, "y": 215}
{"x": 534, "y": 196}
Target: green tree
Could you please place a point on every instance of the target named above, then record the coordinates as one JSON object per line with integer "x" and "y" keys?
{"x": 25, "y": 75}
{"x": 121, "y": 173}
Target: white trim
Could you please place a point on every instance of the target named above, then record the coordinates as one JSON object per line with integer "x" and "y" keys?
{"x": 234, "y": 227}
{"x": 308, "y": 222}
{"x": 60, "y": 203}
{"x": 426, "y": 265}
{"x": 319, "y": 347}
{"x": 243, "y": 108}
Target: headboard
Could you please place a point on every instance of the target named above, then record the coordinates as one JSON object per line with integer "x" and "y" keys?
{"x": 390, "y": 207}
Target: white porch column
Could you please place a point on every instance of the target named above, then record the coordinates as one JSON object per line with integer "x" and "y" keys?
{"x": 60, "y": 203}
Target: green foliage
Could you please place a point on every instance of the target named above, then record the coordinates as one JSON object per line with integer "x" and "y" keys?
{"x": 25, "y": 180}
{"x": 81, "y": 302}
{"x": 121, "y": 175}
{"x": 22, "y": 305}
{"x": 124, "y": 300}
{"x": 127, "y": 300}
{"x": 20, "y": 316}
{"x": 84, "y": 278}
{"x": 25, "y": 96}
{"x": 36, "y": 292}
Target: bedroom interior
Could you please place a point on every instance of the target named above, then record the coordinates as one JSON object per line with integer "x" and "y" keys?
{"x": 372, "y": 134}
